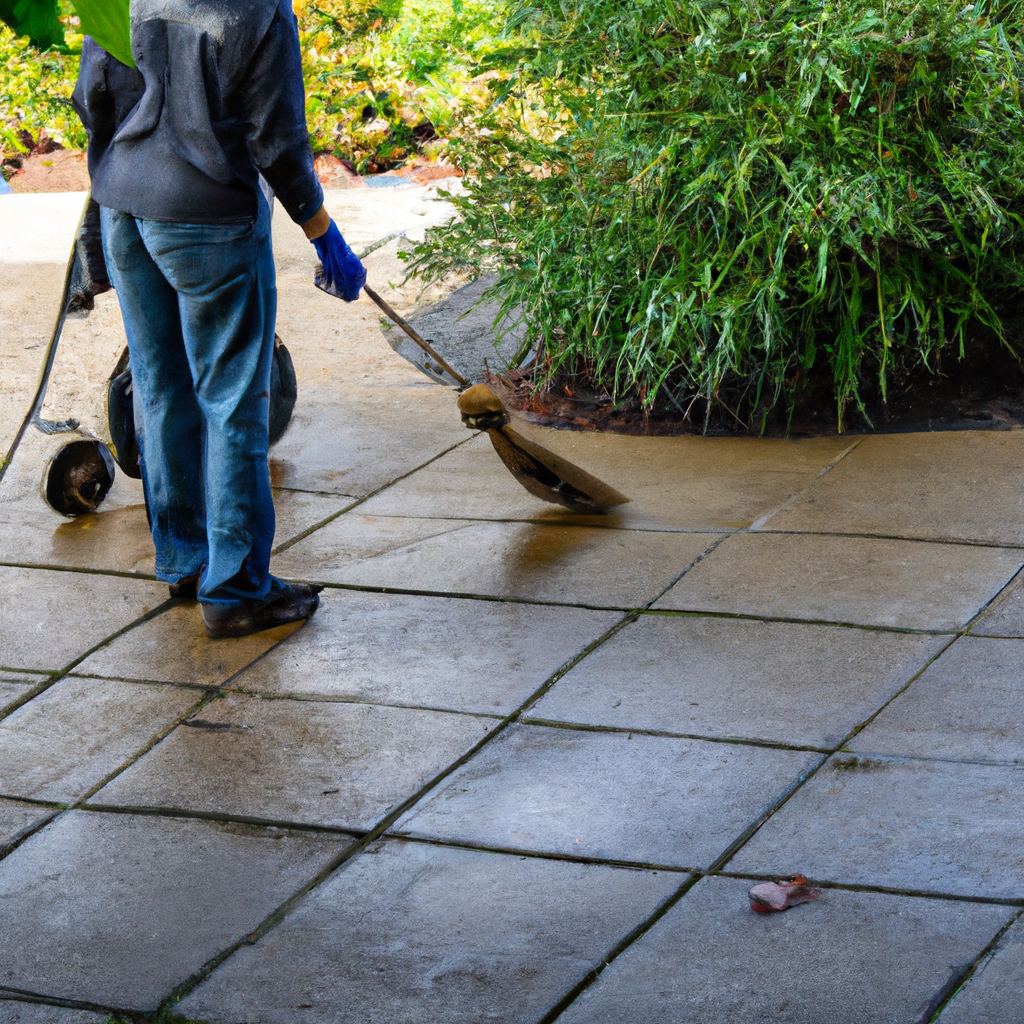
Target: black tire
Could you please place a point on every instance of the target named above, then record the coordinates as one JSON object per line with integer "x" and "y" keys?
{"x": 284, "y": 391}
{"x": 121, "y": 418}
{"x": 78, "y": 477}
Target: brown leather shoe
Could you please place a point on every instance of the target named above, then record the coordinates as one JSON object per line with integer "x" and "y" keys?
{"x": 297, "y": 601}
{"x": 185, "y": 589}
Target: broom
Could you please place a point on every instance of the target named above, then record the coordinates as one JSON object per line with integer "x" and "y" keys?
{"x": 543, "y": 473}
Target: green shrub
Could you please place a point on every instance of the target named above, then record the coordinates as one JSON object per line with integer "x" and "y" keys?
{"x": 374, "y": 69}
{"x": 727, "y": 200}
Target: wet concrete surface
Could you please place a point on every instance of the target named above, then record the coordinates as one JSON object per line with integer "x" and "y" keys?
{"x": 960, "y": 486}
{"x": 995, "y": 992}
{"x": 775, "y": 682}
{"x": 965, "y": 706}
{"x": 18, "y": 1011}
{"x": 63, "y": 743}
{"x": 109, "y": 909}
{"x": 33, "y": 280}
{"x": 432, "y": 652}
{"x": 513, "y": 737}
{"x": 913, "y": 825}
{"x": 314, "y": 762}
{"x": 607, "y": 795}
{"x": 409, "y": 933}
{"x": 848, "y": 958}
{"x": 859, "y": 580}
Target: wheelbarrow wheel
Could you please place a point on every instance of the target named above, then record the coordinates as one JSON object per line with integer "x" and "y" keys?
{"x": 78, "y": 477}
{"x": 284, "y": 392}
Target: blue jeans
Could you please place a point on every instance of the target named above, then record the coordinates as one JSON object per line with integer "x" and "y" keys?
{"x": 199, "y": 303}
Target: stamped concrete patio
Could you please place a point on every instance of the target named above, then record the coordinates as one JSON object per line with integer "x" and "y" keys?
{"x": 522, "y": 766}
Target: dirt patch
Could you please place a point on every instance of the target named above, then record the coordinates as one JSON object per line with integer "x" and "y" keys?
{"x": 422, "y": 171}
{"x": 334, "y": 173}
{"x": 61, "y": 170}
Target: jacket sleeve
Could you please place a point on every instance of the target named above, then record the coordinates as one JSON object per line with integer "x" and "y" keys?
{"x": 273, "y": 101}
{"x": 91, "y": 98}
{"x": 105, "y": 93}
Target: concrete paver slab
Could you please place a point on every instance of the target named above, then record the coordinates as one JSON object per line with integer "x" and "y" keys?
{"x": 282, "y": 760}
{"x": 91, "y": 342}
{"x": 914, "y": 825}
{"x": 15, "y": 818}
{"x": 172, "y": 648}
{"x": 14, "y": 1012}
{"x": 468, "y": 483}
{"x": 36, "y": 235}
{"x": 16, "y": 685}
{"x": 297, "y": 511}
{"x": 409, "y": 933}
{"x": 994, "y": 994}
{"x": 874, "y": 582}
{"x": 1006, "y": 616}
{"x": 674, "y": 482}
{"x": 781, "y": 681}
{"x": 10, "y": 693}
{"x": 68, "y": 738}
{"x": 568, "y": 564}
{"x": 352, "y": 440}
{"x": 48, "y": 618}
{"x": 39, "y": 228}
{"x": 849, "y": 958}
{"x": 962, "y": 485}
{"x": 331, "y": 552}
{"x": 21, "y": 677}
{"x": 645, "y": 799}
{"x": 117, "y": 910}
{"x": 481, "y": 656}
{"x": 29, "y": 302}
{"x": 969, "y": 704}
{"x": 115, "y": 539}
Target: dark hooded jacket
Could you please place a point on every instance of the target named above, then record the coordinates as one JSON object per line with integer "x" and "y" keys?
{"x": 217, "y": 100}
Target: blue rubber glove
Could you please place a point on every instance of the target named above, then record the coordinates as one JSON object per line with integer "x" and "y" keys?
{"x": 341, "y": 273}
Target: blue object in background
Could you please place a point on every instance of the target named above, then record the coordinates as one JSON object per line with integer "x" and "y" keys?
{"x": 5, "y": 188}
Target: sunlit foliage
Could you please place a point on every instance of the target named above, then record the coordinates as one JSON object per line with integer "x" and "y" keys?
{"x": 724, "y": 199}
{"x": 375, "y": 69}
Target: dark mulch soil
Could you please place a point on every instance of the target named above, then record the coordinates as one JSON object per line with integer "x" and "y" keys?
{"x": 982, "y": 391}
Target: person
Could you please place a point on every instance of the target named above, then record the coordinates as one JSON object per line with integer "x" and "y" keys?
{"x": 177, "y": 148}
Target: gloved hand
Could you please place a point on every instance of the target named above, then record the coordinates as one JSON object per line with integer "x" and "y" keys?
{"x": 341, "y": 273}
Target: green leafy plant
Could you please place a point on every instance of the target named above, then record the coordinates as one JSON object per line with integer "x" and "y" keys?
{"x": 35, "y": 93}
{"x": 36, "y": 19}
{"x": 729, "y": 202}
{"x": 375, "y": 70}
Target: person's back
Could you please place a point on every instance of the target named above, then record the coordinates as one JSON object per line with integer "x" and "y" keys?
{"x": 175, "y": 154}
{"x": 223, "y": 102}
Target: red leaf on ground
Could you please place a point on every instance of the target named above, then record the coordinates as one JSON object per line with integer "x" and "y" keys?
{"x": 777, "y": 896}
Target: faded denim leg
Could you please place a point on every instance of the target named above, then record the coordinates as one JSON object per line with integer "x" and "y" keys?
{"x": 222, "y": 279}
{"x": 168, "y": 423}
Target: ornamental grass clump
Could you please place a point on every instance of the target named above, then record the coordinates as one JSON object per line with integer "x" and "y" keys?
{"x": 731, "y": 203}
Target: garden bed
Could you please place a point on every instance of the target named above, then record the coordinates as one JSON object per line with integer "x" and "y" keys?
{"x": 982, "y": 391}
